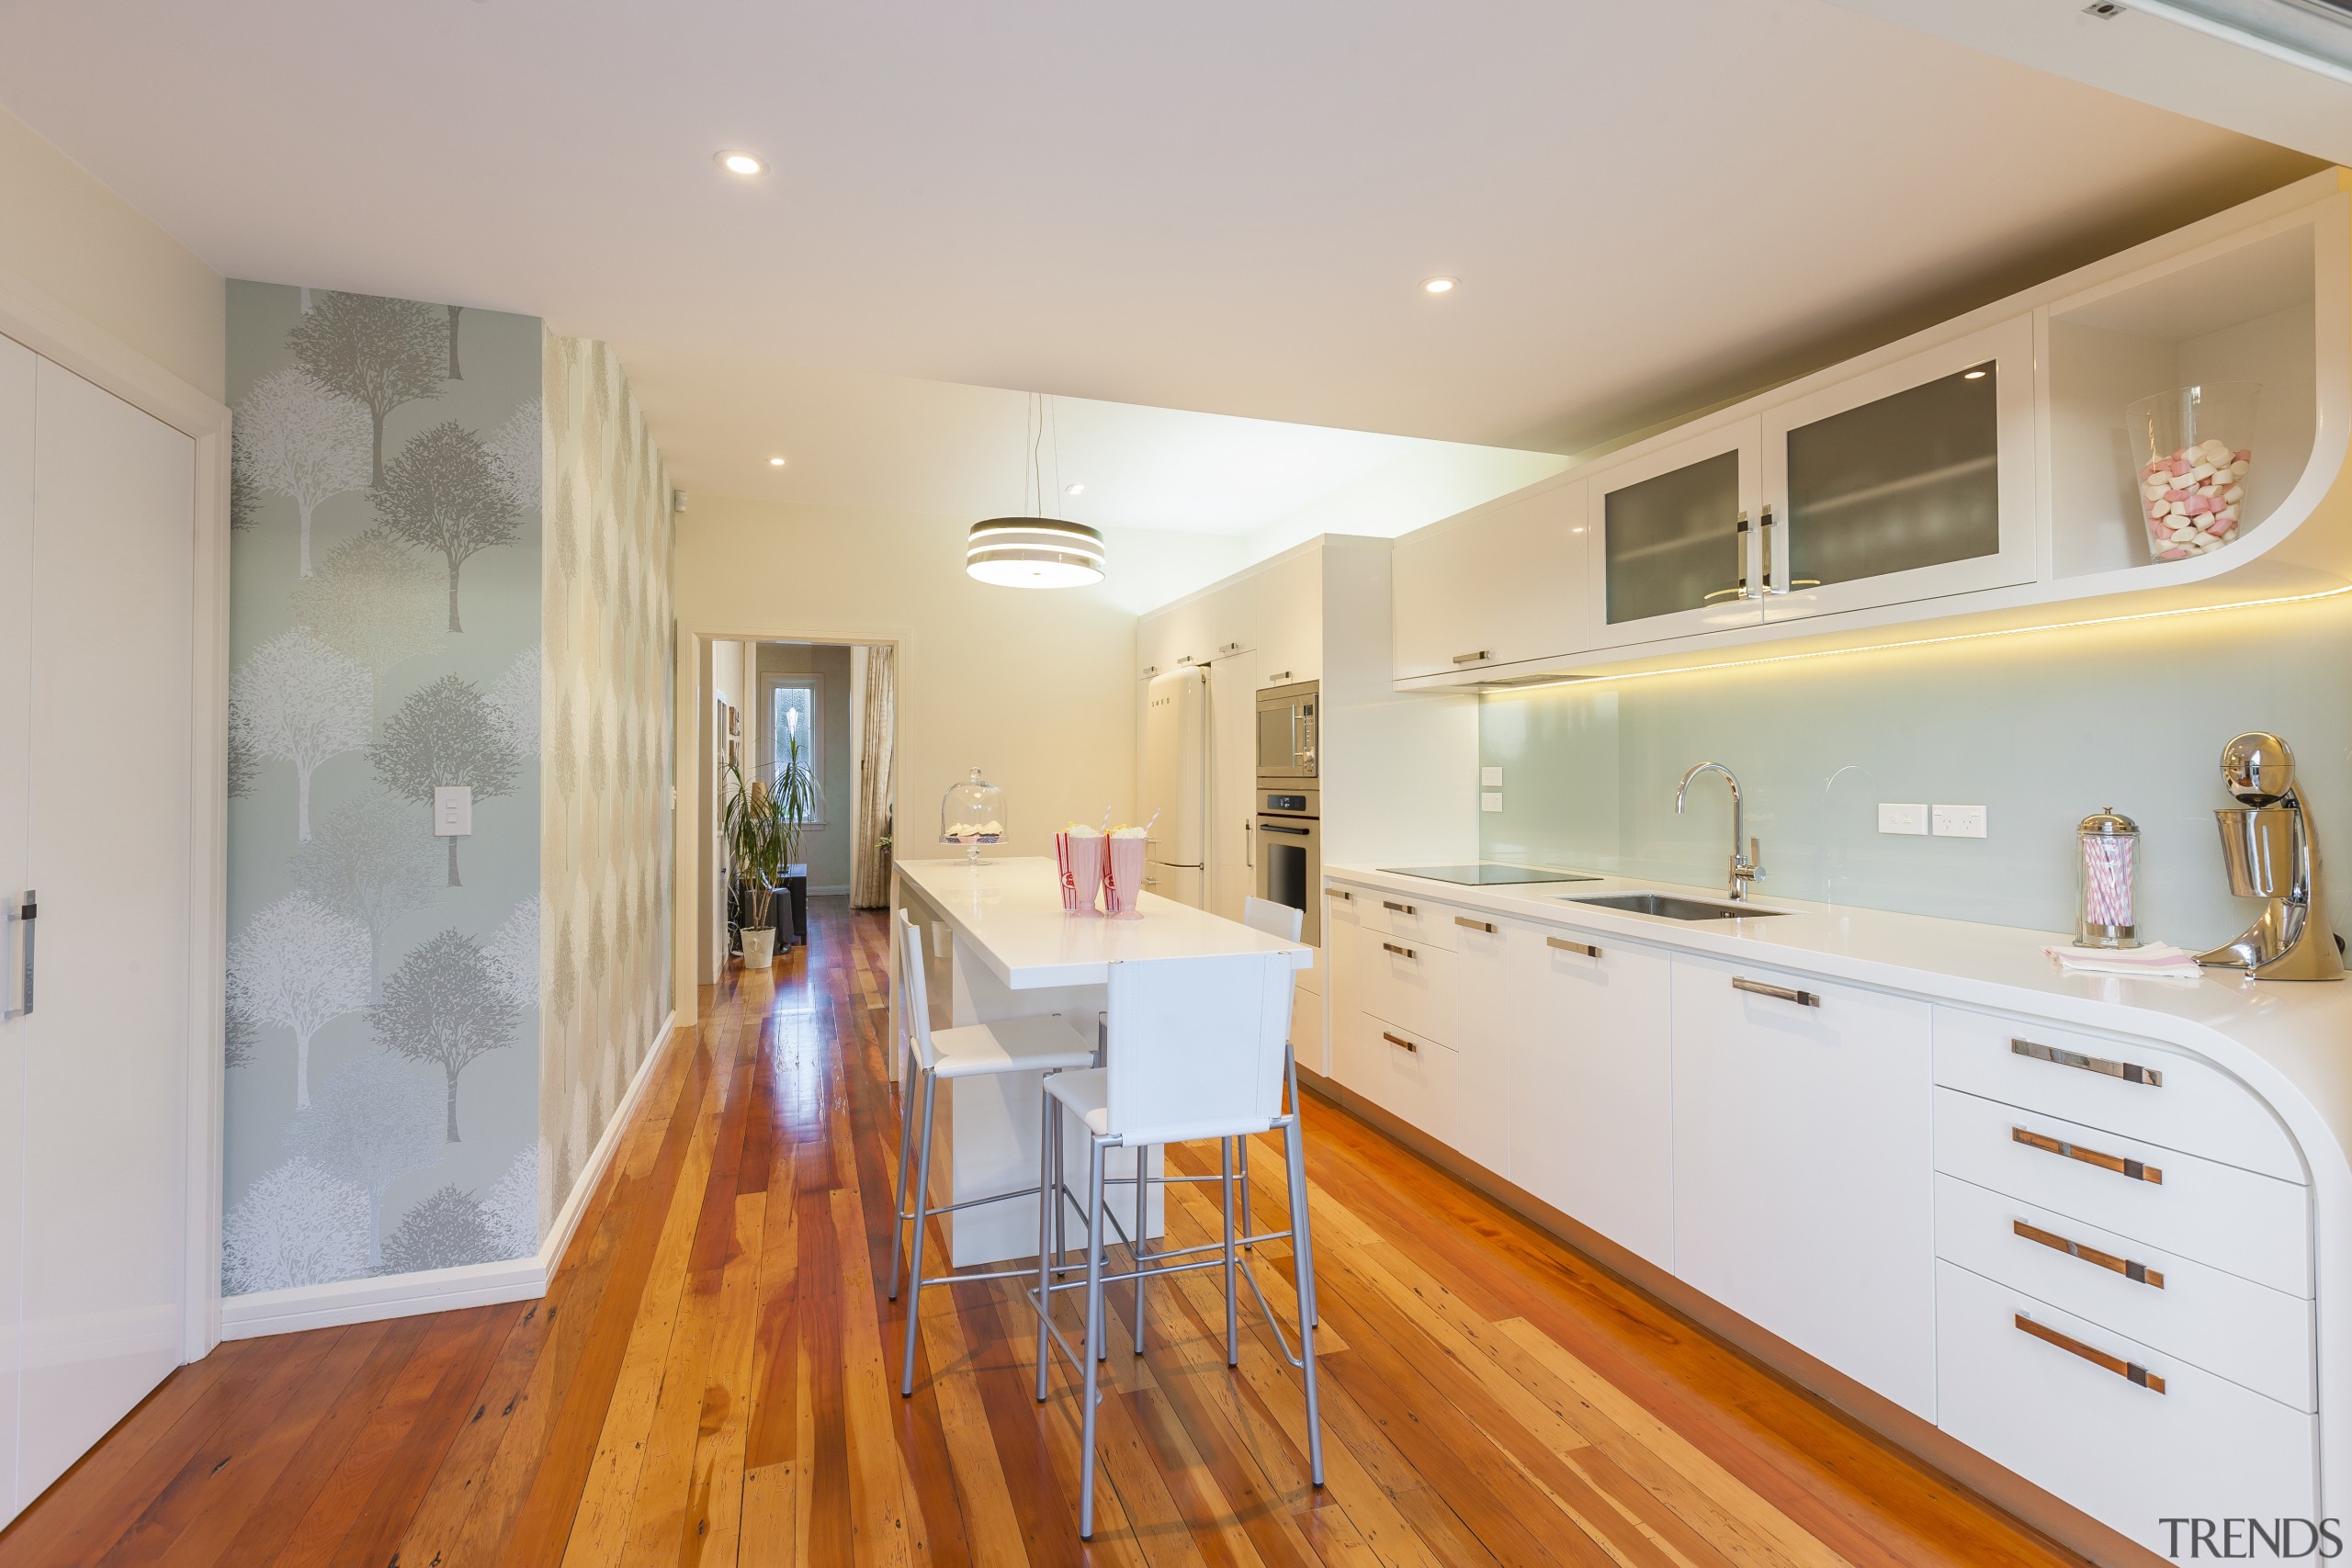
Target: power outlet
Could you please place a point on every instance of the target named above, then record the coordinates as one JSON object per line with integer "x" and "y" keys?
{"x": 1897, "y": 818}
{"x": 1490, "y": 800}
{"x": 1490, "y": 778}
{"x": 1956, "y": 821}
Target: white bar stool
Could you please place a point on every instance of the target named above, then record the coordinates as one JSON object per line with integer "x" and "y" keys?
{"x": 1281, "y": 921}
{"x": 1009, "y": 1045}
{"x": 1196, "y": 1050}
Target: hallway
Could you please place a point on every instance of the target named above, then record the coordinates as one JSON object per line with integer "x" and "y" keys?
{"x": 712, "y": 1381}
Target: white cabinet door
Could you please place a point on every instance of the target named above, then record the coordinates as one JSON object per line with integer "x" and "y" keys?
{"x": 1343, "y": 983}
{"x": 16, "y": 377}
{"x": 1592, "y": 1084}
{"x": 1672, "y": 551}
{"x": 1910, "y": 481}
{"x": 1482, "y": 1014}
{"x": 1232, "y": 735}
{"x": 106, "y": 1054}
{"x": 1506, "y": 582}
{"x": 1803, "y": 1195}
{"x": 1287, "y": 613}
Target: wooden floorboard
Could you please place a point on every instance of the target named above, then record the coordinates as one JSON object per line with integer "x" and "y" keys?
{"x": 712, "y": 1380}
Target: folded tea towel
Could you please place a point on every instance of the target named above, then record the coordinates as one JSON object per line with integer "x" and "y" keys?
{"x": 2157, "y": 958}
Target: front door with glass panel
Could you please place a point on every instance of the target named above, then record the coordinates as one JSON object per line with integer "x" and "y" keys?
{"x": 1907, "y": 482}
{"x": 1670, "y": 538}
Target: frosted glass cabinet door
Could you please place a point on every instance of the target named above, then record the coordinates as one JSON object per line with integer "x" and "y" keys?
{"x": 1670, "y": 539}
{"x": 1906, "y": 482}
{"x": 107, "y": 1057}
{"x": 16, "y": 655}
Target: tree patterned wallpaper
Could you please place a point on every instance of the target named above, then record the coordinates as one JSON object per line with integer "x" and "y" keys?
{"x": 384, "y": 985}
{"x": 608, "y": 614}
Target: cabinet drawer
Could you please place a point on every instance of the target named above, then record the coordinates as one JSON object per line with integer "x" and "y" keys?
{"x": 2247, "y": 1333}
{"x": 2136, "y": 1089}
{"x": 1407, "y": 1074}
{"x": 2254, "y": 1226}
{"x": 2120, "y": 1451}
{"x": 1410, "y": 918}
{"x": 1409, "y": 983}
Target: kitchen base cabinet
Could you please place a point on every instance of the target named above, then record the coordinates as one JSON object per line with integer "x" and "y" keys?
{"x": 1803, "y": 1198}
{"x": 1405, "y": 1073}
{"x": 1592, "y": 1084}
{"x": 2126, "y": 1434}
{"x": 1480, "y": 1038}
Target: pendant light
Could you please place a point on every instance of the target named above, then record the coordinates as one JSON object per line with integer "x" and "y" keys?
{"x": 1035, "y": 551}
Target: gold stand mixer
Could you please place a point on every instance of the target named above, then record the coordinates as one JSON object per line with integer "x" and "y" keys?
{"x": 2269, "y": 847}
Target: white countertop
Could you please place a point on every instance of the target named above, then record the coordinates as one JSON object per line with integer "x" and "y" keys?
{"x": 1010, "y": 911}
{"x": 2289, "y": 1041}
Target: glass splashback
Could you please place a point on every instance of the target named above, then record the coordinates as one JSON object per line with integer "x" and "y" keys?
{"x": 1673, "y": 543}
{"x": 1908, "y": 481}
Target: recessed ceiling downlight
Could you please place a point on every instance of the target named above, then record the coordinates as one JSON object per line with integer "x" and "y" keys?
{"x": 1440, "y": 285}
{"x": 742, "y": 163}
{"x": 1034, "y": 552}
{"x": 775, "y": 462}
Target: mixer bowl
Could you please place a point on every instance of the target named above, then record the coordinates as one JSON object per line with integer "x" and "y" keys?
{"x": 2258, "y": 848}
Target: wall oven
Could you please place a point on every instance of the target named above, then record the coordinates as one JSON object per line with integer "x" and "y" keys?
{"x": 1286, "y": 734}
{"x": 1288, "y": 855}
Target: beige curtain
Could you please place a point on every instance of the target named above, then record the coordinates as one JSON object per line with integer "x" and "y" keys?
{"x": 870, "y": 875}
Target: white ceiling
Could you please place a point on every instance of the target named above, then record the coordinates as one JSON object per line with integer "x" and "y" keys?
{"x": 1217, "y": 206}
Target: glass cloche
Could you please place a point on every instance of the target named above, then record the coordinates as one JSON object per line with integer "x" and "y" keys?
{"x": 972, "y": 813}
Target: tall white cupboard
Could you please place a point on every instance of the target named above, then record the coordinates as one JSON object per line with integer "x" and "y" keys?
{"x": 99, "y": 699}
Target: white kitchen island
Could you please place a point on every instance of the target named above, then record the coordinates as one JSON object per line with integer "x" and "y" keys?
{"x": 997, "y": 944}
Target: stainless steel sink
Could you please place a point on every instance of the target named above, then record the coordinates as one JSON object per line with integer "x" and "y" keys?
{"x": 1670, "y": 907}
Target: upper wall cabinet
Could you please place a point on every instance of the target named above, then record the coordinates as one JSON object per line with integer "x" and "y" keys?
{"x": 1501, "y": 584}
{"x": 1287, "y": 614}
{"x": 1994, "y": 472}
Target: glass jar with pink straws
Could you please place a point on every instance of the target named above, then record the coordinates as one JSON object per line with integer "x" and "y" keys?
{"x": 2105, "y": 871}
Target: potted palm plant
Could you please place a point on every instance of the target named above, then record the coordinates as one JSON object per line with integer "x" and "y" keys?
{"x": 755, "y": 831}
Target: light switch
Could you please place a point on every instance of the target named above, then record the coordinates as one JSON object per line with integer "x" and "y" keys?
{"x": 453, "y": 811}
{"x": 1490, "y": 800}
{"x": 1901, "y": 818}
{"x": 1490, "y": 778}
{"x": 1957, "y": 821}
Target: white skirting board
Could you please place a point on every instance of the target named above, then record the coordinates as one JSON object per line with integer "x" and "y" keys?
{"x": 446, "y": 1290}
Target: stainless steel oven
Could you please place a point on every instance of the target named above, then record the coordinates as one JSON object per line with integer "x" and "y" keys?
{"x": 1286, "y": 734}
{"x": 1287, "y": 858}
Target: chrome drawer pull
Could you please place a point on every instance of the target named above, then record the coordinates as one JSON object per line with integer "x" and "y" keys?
{"x": 2138, "y": 1273}
{"x": 2153, "y": 1382}
{"x": 1400, "y": 908}
{"x": 1399, "y": 952}
{"x": 1786, "y": 993}
{"x": 1486, "y": 926}
{"x": 2130, "y": 1072}
{"x": 1407, "y": 1043}
{"x": 2133, "y": 1168}
{"x": 1478, "y": 657}
{"x": 1564, "y": 945}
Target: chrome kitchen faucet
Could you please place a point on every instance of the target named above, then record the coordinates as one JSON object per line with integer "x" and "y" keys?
{"x": 1744, "y": 868}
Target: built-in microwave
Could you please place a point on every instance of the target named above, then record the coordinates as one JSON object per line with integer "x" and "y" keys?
{"x": 1286, "y": 733}
{"x": 1288, "y": 856}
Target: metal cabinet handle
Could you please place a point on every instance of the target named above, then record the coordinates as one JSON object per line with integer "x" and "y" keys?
{"x": 2138, "y": 1272}
{"x": 1400, "y": 951}
{"x": 1400, "y": 908}
{"x": 30, "y": 914}
{"x": 1278, "y": 677}
{"x": 2130, "y": 1072}
{"x": 2153, "y": 1382}
{"x": 1393, "y": 1040}
{"x": 2136, "y": 1170}
{"x": 1479, "y": 657}
{"x": 1564, "y": 945}
{"x": 1294, "y": 832}
{"x": 1341, "y": 893}
{"x": 1785, "y": 993}
{"x": 1248, "y": 857}
{"x": 1486, "y": 926}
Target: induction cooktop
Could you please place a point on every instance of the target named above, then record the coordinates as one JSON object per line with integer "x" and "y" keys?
{"x": 1486, "y": 875}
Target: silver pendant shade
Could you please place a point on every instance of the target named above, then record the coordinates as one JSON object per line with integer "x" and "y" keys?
{"x": 1034, "y": 552}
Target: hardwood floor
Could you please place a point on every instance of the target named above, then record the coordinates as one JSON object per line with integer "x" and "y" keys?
{"x": 712, "y": 1381}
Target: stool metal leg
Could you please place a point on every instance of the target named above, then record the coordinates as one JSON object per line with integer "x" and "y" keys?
{"x": 1048, "y": 1202}
{"x": 1303, "y": 1250}
{"x": 1241, "y": 1167}
{"x": 1232, "y": 1303}
{"x": 914, "y": 1253}
{"x": 907, "y": 1072}
{"x": 1143, "y": 1164}
{"x": 1096, "y": 1340}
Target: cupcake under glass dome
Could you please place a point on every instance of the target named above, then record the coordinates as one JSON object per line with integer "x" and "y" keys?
{"x": 972, "y": 813}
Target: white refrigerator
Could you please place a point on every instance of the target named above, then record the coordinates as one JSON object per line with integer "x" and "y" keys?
{"x": 1175, "y": 785}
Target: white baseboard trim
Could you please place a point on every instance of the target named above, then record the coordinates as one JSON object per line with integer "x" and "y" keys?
{"x": 446, "y": 1290}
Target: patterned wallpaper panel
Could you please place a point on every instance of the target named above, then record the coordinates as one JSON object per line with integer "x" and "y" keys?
{"x": 384, "y": 983}
{"x": 608, "y": 613}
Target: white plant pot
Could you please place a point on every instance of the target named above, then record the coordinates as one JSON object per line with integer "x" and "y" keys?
{"x": 759, "y": 946}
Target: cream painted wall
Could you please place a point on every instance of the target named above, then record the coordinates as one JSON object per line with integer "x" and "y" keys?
{"x": 93, "y": 252}
{"x": 1037, "y": 688}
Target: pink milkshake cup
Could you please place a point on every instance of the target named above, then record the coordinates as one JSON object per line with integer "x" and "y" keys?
{"x": 1124, "y": 883}
{"x": 1078, "y": 853}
